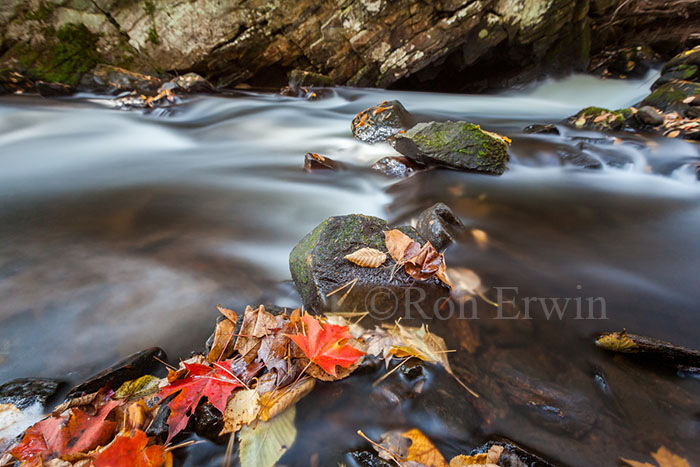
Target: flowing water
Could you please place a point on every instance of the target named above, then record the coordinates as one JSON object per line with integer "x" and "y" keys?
{"x": 121, "y": 230}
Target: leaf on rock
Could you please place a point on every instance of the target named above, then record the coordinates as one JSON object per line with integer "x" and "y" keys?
{"x": 216, "y": 384}
{"x": 409, "y": 449}
{"x": 325, "y": 346}
{"x": 489, "y": 459}
{"x": 241, "y": 409}
{"x": 663, "y": 457}
{"x": 59, "y": 436}
{"x": 138, "y": 388}
{"x": 262, "y": 444}
{"x": 131, "y": 450}
{"x": 274, "y": 352}
{"x": 400, "y": 245}
{"x": 275, "y": 402}
{"x": 367, "y": 257}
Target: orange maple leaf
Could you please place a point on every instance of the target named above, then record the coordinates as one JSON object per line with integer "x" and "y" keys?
{"x": 324, "y": 345}
{"x": 129, "y": 450}
{"x": 58, "y": 436}
{"x": 216, "y": 384}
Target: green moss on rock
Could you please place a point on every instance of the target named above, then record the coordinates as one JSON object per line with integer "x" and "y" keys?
{"x": 670, "y": 96}
{"x": 601, "y": 119}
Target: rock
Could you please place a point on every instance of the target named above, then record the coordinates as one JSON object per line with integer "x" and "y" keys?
{"x": 109, "y": 79}
{"x": 25, "y": 392}
{"x": 208, "y": 421}
{"x": 53, "y": 89}
{"x": 683, "y": 67}
{"x": 538, "y": 129}
{"x": 396, "y": 166}
{"x": 309, "y": 79}
{"x": 381, "y": 122}
{"x": 648, "y": 115}
{"x": 313, "y": 161}
{"x": 366, "y": 459}
{"x": 628, "y": 62}
{"x": 513, "y": 455}
{"x": 188, "y": 84}
{"x": 600, "y": 119}
{"x": 670, "y": 96}
{"x": 319, "y": 267}
{"x": 132, "y": 367}
{"x": 458, "y": 145}
{"x": 434, "y": 224}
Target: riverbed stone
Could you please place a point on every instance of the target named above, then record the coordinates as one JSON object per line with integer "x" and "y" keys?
{"x": 319, "y": 267}
{"x": 381, "y": 122}
{"x": 458, "y": 145}
{"x": 314, "y": 162}
{"x": 648, "y": 115}
{"x": 396, "y": 166}
{"x": 601, "y": 119}
{"x": 109, "y": 79}
{"x": 25, "y": 392}
{"x": 188, "y": 83}
{"x": 436, "y": 223}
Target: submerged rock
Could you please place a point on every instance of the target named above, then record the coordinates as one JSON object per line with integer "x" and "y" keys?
{"x": 313, "y": 161}
{"x": 396, "y": 166}
{"x": 132, "y": 367}
{"x": 381, "y": 122}
{"x": 319, "y": 268}
{"x": 434, "y": 224}
{"x": 459, "y": 145}
{"x": 25, "y": 392}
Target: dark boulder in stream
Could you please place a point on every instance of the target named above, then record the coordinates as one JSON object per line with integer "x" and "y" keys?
{"x": 314, "y": 162}
{"x": 458, "y": 145}
{"x": 435, "y": 225}
{"x": 396, "y": 166}
{"x": 684, "y": 67}
{"x": 25, "y": 392}
{"x": 109, "y": 79}
{"x": 381, "y": 122}
{"x": 326, "y": 280}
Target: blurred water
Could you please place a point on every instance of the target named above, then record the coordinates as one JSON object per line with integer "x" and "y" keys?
{"x": 122, "y": 230}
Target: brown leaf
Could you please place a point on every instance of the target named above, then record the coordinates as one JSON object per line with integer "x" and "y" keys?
{"x": 409, "y": 449}
{"x": 279, "y": 400}
{"x": 400, "y": 245}
{"x": 257, "y": 323}
{"x": 663, "y": 457}
{"x": 241, "y": 409}
{"x": 673, "y": 134}
{"x": 223, "y": 341}
{"x": 230, "y": 314}
{"x": 367, "y": 257}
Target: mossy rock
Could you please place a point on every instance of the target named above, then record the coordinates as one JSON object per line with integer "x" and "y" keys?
{"x": 319, "y": 267}
{"x": 458, "y": 145}
{"x": 306, "y": 79}
{"x": 670, "y": 96}
{"x": 600, "y": 119}
{"x": 381, "y": 122}
{"x": 114, "y": 80}
{"x": 683, "y": 67}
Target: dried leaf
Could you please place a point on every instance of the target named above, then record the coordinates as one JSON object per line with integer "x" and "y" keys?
{"x": 257, "y": 323}
{"x": 129, "y": 450}
{"x": 663, "y": 457}
{"x": 367, "y": 257}
{"x": 222, "y": 347}
{"x": 229, "y": 314}
{"x": 409, "y": 449}
{"x": 137, "y": 388}
{"x": 262, "y": 444}
{"x": 673, "y": 134}
{"x": 489, "y": 459}
{"x": 400, "y": 245}
{"x": 464, "y": 281}
{"x": 277, "y": 401}
{"x": 325, "y": 346}
{"x": 241, "y": 409}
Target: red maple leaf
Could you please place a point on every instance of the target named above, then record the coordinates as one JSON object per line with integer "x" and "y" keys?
{"x": 324, "y": 346}
{"x": 58, "y": 436}
{"x": 129, "y": 450}
{"x": 216, "y": 384}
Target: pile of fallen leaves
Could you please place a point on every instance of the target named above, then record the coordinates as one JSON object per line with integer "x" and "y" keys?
{"x": 254, "y": 374}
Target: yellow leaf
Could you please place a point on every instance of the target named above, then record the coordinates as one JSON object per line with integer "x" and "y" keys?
{"x": 275, "y": 402}
{"x": 663, "y": 457}
{"x": 489, "y": 458}
{"x": 617, "y": 342}
{"x": 241, "y": 409}
{"x": 422, "y": 450}
{"x": 367, "y": 257}
{"x": 673, "y": 134}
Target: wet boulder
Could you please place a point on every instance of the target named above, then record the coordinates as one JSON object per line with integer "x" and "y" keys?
{"x": 600, "y": 119}
{"x": 672, "y": 96}
{"x": 132, "y": 367}
{"x": 648, "y": 116}
{"x": 189, "y": 83}
{"x": 458, "y": 145}
{"x": 313, "y": 162}
{"x": 309, "y": 79}
{"x": 53, "y": 89}
{"x": 436, "y": 223}
{"x": 396, "y": 166}
{"x": 109, "y": 79}
{"x": 327, "y": 281}
{"x": 683, "y": 67}
{"x": 25, "y": 392}
{"x": 381, "y": 122}
{"x": 538, "y": 129}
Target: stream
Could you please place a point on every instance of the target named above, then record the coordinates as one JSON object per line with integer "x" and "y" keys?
{"x": 121, "y": 230}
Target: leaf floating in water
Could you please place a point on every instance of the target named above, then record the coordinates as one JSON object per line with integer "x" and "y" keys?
{"x": 663, "y": 457}
{"x": 264, "y": 443}
{"x": 617, "y": 342}
{"x": 367, "y": 257}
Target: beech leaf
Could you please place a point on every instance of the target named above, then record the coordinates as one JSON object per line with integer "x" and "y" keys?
{"x": 262, "y": 444}
{"x": 367, "y": 257}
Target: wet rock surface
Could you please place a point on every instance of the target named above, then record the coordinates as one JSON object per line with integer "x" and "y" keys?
{"x": 683, "y": 67}
{"x": 627, "y": 62}
{"x": 396, "y": 166}
{"x": 538, "y": 129}
{"x": 436, "y": 223}
{"x": 314, "y": 162}
{"x": 381, "y": 122}
{"x": 598, "y": 118}
{"x": 132, "y": 367}
{"x": 671, "y": 96}
{"x": 648, "y": 115}
{"x": 319, "y": 267}
{"x": 25, "y": 392}
{"x": 458, "y": 145}
{"x": 109, "y": 79}
{"x": 189, "y": 83}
